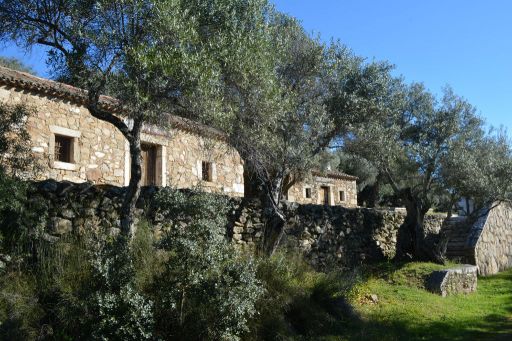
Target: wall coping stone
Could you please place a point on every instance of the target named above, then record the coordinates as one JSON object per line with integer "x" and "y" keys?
{"x": 462, "y": 279}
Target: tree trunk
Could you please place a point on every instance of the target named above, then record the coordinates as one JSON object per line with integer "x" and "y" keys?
{"x": 128, "y": 227}
{"x": 413, "y": 242}
{"x": 274, "y": 231}
{"x": 275, "y": 218}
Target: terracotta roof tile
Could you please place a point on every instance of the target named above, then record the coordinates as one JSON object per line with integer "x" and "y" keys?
{"x": 26, "y": 81}
{"x": 335, "y": 175}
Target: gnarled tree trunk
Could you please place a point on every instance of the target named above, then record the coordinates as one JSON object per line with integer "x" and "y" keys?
{"x": 412, "y": 238}
{"x": 274, "y": 217}
{"x": 133, "y": 191}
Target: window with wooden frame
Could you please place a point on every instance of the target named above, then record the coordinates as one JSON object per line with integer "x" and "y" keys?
{"x": 342, "y": 195}
{"x": 63, "y": 151}
{"x": 207, "y": 171}
{"x": 307, "y": 192}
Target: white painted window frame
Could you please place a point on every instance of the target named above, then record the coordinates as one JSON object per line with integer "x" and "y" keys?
{"x": 75, "y": 136}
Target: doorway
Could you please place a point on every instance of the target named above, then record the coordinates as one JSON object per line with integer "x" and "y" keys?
{"x": 149, "y": 155}
{"x": 324, "y": 192}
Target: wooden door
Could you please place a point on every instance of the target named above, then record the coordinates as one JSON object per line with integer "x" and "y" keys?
{"x": 324, "y": 192}
{"x": 148, "y": 165}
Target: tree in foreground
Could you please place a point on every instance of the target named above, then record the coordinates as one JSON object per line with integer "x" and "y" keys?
{"x": 154, "y": 57}
{"x": 283, "y": 116}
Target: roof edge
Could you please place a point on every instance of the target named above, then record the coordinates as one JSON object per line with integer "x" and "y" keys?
{"x": 29, "y": 82}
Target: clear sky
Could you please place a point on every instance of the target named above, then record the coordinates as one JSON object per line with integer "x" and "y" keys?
{"x": 464, "y": 43}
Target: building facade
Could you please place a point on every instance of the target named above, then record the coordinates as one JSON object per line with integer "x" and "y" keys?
{"x": 75, "y": 146}
{"x": 327, "y": 188}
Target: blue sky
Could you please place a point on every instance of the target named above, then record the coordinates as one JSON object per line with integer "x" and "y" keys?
{"x": 464, "y": 43}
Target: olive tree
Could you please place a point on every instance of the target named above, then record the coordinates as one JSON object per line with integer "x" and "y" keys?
{"x": 15, "y": 64}
{"x": 482, "y": 170}
{"x": 411, "y": 147}
{"x": 283, "y": 116}
{"x": 154, "y": 57}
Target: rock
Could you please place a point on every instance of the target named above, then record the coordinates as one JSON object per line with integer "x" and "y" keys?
{"x": 93, "y": 174}
{"x": 373, "y": 298}
{"x": 5, "y": 258}
{"x": 237, "y": 236}
{"x": 60, "y": 226}
{"x": 67, "y": 213}
{"x": 458, "y": 280}
{"x": 49, "y": 238}
{"x": 114, "y": 231}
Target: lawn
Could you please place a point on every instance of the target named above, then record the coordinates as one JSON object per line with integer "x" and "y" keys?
{"x": 405, "y": 311}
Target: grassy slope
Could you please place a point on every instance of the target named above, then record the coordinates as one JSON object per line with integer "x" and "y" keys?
{"x": 406, "y": 311}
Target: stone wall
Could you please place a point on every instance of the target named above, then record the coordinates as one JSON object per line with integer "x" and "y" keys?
{"x": 491, "y": 239}
{"x": 100, "y": 153}
{"x": 349, "y": 188}
{"x": 327, "y": 236}
{"x": 330, "y": 235}
{"x": 338, "y": 236}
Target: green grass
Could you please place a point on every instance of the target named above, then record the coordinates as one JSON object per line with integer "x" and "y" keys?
{"x": 302, "y": 304}
{"x": 405, "y": 311}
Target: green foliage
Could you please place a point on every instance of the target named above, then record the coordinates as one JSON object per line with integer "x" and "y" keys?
{"x": 16, "y": 163}
{"x": 20, "y": 310}
{"x": 16, "y": 158}
{"x": 15, "y": 64}
{"x": 208, "y": 290}
{"x": 299, "y": 303}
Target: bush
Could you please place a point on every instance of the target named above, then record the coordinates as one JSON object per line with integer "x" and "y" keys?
{"x": 299, "y": 303}
{"x": 16, "y": 158}
{"x": 208, "y": 290}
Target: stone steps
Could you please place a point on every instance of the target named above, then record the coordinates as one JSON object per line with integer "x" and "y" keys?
{"x": 457, "y": 230}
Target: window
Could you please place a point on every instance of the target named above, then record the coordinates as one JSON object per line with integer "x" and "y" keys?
{"x": 206, "y": 169}
{"x": 342, "y": 195}
{"x": 308, "y": 193}
{"x": 63, "y": 149}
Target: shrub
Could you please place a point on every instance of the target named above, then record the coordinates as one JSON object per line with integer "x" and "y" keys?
{"x": 16, "y": 158}
{"x": 299, "y": 303}
{"x": 208, "y": 290}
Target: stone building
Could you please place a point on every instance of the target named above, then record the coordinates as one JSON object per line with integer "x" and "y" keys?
{"x": 484, "y": 239}
{"x": 75, "y": 146}
{"x": 326, "y": 188}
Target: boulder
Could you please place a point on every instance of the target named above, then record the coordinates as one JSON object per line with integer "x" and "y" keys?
{"x": 60, "y": 226}
{"x": 454, "y": 281}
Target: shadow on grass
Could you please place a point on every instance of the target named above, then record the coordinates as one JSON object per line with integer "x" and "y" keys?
{"x": 321, "y": 318}
{"x": 494, "y": 324}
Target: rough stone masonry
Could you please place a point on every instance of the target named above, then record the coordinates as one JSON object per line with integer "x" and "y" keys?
{"x": 73, "y": 145}
{"x": 327, "y": 236}
{"x": 462, "y": 279}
